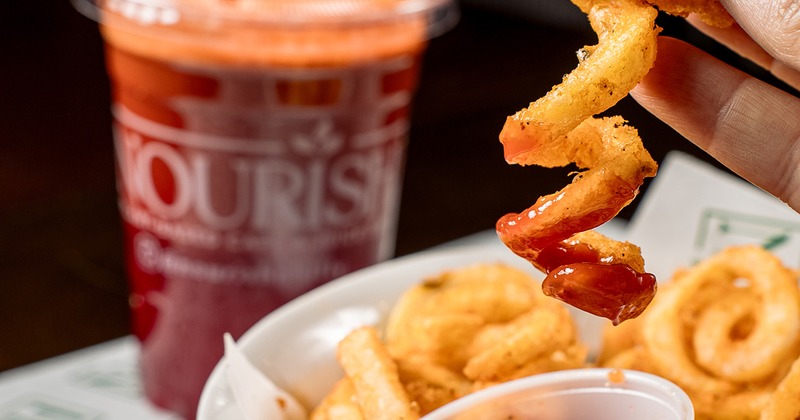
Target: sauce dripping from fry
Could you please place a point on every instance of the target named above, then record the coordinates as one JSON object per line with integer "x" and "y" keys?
{"x": 577, "y": 276}
{"x": 576, "y": 273}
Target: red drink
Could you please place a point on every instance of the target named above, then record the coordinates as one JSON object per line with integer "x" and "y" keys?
{"x": 254, "y": 164}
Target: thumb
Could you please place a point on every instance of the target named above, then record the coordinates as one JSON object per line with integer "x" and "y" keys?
{"x": 773, "y": 24}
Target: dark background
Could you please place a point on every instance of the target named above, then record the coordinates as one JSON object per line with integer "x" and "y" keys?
{"x": 62, "y": 285}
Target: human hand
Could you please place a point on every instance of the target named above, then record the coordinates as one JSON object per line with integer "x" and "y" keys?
{"x": 751, "y": 127}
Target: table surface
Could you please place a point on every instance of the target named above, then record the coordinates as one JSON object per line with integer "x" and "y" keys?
{"x": 62, "y": 282}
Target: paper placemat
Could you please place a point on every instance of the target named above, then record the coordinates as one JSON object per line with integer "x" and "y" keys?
{"x": 99, "y": 382}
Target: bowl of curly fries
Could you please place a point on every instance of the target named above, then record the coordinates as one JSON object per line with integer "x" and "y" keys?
{"x": 430, "y": 336}
{"x": 466, "y": 332}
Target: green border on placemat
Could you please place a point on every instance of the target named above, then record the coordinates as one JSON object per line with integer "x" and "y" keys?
{"x": 719, "y": 228}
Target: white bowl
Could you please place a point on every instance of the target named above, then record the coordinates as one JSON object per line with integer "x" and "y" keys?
{"x": 295, "y": 345}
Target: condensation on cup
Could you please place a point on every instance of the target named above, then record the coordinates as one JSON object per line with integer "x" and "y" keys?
{"x": 260, "y": 149}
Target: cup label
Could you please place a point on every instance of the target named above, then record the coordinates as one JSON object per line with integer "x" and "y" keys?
{"x": 313, "y": 197}
{"x": 279, "y": 199}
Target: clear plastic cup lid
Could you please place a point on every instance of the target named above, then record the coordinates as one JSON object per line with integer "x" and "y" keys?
{"x": 440, "y": 15}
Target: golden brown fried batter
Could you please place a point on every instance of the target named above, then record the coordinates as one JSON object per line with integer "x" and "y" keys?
{"x": 710, "y": 11}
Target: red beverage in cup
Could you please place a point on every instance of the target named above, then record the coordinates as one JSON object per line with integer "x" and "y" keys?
{"x": 260, "y": 149}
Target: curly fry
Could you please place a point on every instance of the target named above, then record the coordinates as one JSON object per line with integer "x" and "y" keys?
{"x": 607, "y": 72}
{"x": 558, "y": 129}
{"x": 784, "y": 403}
{"x": 725, "y": 330}
{"x": 445, "y": 311}
{"x": 771, "y": 339}
{"x": 728, "y": 339}
{"x": 618, "y": 164}
{"x": 511, "y": 347}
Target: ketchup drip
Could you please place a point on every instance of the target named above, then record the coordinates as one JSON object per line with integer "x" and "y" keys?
{"x": 577, "y": 276}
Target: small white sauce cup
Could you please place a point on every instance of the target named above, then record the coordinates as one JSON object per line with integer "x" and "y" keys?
{"x": 572, "y": 395}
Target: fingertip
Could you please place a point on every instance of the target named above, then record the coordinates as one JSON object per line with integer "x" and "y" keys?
{"x": 686, "y": 89}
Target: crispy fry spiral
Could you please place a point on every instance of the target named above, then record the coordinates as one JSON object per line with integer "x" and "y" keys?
{"x": 559, "y": 129}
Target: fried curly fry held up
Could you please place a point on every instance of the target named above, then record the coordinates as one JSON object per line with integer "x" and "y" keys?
{"x": 559, "y": 129}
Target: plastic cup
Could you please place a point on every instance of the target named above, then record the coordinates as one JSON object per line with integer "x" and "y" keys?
{"x": 597, "y": 394}
{"x": 260, "y": 149}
